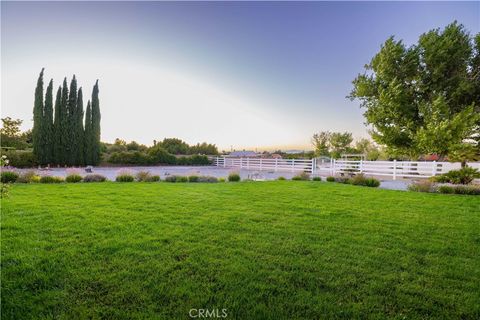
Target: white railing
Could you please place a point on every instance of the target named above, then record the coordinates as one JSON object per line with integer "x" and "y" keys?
{"x": 394, "y": 169}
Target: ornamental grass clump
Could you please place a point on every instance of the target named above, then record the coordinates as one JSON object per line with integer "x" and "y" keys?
{"x": 73, "y": 178}
{"x": 9, "y": 176}
{"x": 422, "y": 186}
{"x": 233, "y": 177}
{"x": 51, "y": 179}
{"x": 304, "y": 176}
{"x": 94, "y": 178}
{"x": 124, "y": 176}
{"x": 143, "y": 176}
{"x": 29, "y": 176}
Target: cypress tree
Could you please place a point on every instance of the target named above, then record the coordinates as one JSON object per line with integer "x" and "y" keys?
{"x": 95, "y": 125}
{"x": 64, "y": 128}
{"x": 47, "y": 126}
{"x": 72, "y": 139}
{"x": 38, "y": 118}
{"x": 88, "y": 135}
{"x": 57, "y": 128}
{"x": 80, "y": 154}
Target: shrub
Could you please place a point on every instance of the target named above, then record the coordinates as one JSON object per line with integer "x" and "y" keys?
{"x": 468, "y": 190}
{"x": 302, "y": 176}
{"x": 221, "y": 179}
{"x": 130, "y": 157}
{"x": 9, "y": 176}
{"x": 94, "y": 178}
{"x": 51, "y": 179}
{"x": 21, "y": 159}
{"x": 73, "y": 178}
{"x": 421, "y": 186}
{"x": 463, "y": 176}
{"x": 171, "y": 179}
{"x": 154, "y": 178}
{"x": 182, "y": 179}
{"x": 28, "y": 177}
{"x": 233, "y": 177}
{"x": 193, "y": 179}
{"x": 345, "y": 180}
{"x": 372, "y": 182}
{"x": 317, "y": 179}
{"x": 143, "y": 176}
{"x": 193, "y": 160}
{"x": 331, "y": 179}
{"x": 159, "y": 155}
{"x": 208, "y": 179}
{"x": 446, "y": 189}
{"x": 281, "y": 178}
{"x": 125, "y": 177}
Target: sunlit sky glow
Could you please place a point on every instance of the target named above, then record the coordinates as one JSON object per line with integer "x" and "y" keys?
{"x": 247, "y": 75}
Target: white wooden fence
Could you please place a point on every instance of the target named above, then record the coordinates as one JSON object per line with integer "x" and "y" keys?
{"x": 394, "y": 169}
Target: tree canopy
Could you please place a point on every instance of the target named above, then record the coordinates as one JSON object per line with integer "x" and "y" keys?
{"x": 424, "y": 98}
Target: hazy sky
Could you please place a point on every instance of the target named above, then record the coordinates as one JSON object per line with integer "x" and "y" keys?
{"x": 236, "y": 74}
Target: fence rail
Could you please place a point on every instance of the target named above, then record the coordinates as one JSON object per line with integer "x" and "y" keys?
{"x": 394, "y": 169}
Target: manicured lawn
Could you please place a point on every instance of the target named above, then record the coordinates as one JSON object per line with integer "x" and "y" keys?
{"x": 265, "y": 250}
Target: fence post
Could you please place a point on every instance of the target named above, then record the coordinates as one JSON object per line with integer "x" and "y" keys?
{"x": 293, "y": 165}
{"x": 224, "y": 162}
{"x": 361, "y": 165}
{"x": 395, "y": 169}
{"x": 276, "y": 164}
{"x": 260, "y": 164}
{"x": 334, "y": 171}
{"x": 313, "y": 165}
{"x": 248, "y": 163}
{"x": 434, "y": 168}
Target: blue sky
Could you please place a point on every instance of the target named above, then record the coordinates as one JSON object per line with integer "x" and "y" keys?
{"x": 237, "y": 74}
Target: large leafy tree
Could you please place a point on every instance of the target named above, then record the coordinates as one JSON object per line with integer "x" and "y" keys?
{"x": 37, "y": 133}
{"x": 321, "y": 143}
{"x": 424, "y": 98}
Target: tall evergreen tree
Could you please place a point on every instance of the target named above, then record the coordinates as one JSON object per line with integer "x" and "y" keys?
{"x": 38, "y": 118}
{"x": 95, "y": 125}
{"x": 88, "y": 135}
{"x": 47, "y": 126}
{"x": 57, "y": 128}
{"x": 80, "y": 154}
{"x": 64, "y": 127}
{"x": 72, "y": 139}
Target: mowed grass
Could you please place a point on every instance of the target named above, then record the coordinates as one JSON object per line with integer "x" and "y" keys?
{"x": 264, "y": 250}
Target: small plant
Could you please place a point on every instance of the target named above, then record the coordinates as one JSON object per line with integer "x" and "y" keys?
{"x": 182, "y": 179}
{"x": 317, "y": 179}
{"x": 421, "y": 186}
{"x": 193, "y": 179}
{"x": 171, "y": 179}
{"x": 51, "y": 179}
{"x": 463, "y": 176}
{"x": 233, "y": 177}
{"x": 221, "y": 179}
{"x": 302, "y": 177}
{"x": 143, "y": 176}
{"x": 468, "y": 190}
{"x": 446, "y": 189}
{"x": 372, "y": 182}
{"x": 331, "y": 179}
{"x": 208, "y": 179}
{"x": 281, "y": 178}
{"x": 344, "y": 180}
{"x": 124, "y": 178}
{"x": 73, "y": 178}
{"x": 154, "y": 178}
{"x": 9, "y": 176}
{"x": 94, "y": 178}
{"x": 28, "y": 177}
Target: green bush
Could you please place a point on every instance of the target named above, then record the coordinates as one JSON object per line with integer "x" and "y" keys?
{"x": 446, "y": 189}
{"x": 331, "y": 179}
{"x": 193, "y": 179}
{"x": 422, "y": 186}
{"x": 344, "y": 180}
{"x": 171, "y": 179}
{"x": 372, "y": 182}
{"x": 361, "y": 180}
{"x": 73, "y": 178}
{"x": 182, "y": 179}
{"x": 302, "y": 176}
{"x": 21, "y": 159}
{"x": 28, "y": 177}
{"x": 463, "y": 176}
{"x": 221, "y": 180}
{"x": 193, "y": 160}
{"x": 94, "y": 178}
{"x": 468, "y": 190}
{"x": 124, "y": 177}
{"x": 130, "y": 157}
{"x": 281, "y": 178}
{"x": 317, "y": 179}
{"x": 208, "y": 179}
{"x": 51, "y": 179}
{"x": 9, "y": 176}
{"x": 143, "y": 176}
{"x": 154, "y": 178}
{"x": 233, "y": 177}
{"x": 158, "y": 155}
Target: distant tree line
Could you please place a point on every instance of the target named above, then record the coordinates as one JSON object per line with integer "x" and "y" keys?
{"x": 63, "y": 134}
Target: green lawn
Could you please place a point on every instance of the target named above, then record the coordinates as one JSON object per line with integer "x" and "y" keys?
{"x": 265, "y": 250}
